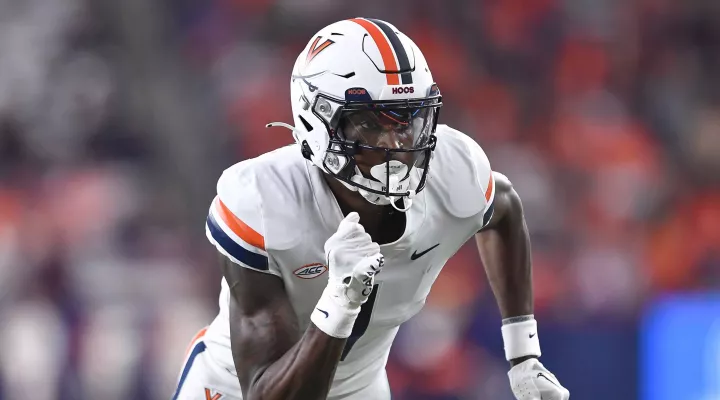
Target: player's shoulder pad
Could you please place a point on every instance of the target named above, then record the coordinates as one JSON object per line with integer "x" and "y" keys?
{"x": 268, "y": 194}
{"x": 460, "y": 173}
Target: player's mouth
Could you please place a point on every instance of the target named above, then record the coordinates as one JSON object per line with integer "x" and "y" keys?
{"x": 367, "y": 159}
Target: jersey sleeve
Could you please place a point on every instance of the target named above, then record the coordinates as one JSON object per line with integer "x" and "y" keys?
{"x": 484, "y": 179}
{"x": 235, "y": 222}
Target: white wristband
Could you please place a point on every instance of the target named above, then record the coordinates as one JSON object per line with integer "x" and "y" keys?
{"x": 520, "y": 337}
{"x": 332, "y": 318}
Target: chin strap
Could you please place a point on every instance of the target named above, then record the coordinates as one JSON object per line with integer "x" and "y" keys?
{"x": 407, "y": 201}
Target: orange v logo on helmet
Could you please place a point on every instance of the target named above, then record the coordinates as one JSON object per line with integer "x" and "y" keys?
{"x": 315, "y": 49}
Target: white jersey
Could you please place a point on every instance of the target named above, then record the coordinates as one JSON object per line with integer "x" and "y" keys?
{"x": 274, "y": 213}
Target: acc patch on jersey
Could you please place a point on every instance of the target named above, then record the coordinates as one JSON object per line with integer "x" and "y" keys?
{"x": 310, "y": 271}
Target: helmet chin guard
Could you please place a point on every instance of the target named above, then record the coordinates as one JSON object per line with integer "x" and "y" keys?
{"x": 395, "y": 184}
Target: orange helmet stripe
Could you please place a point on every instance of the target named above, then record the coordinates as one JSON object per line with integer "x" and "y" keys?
{"x": 386, "y": 52}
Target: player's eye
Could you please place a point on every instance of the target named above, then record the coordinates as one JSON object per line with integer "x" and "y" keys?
{"x": 365, "y": 125}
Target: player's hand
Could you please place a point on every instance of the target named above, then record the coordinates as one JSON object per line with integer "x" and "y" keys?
{"x": 353, "y": 260}
{"x": 530, "y": 380}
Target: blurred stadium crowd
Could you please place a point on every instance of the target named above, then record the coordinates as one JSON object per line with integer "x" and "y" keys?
{"x": 116, "y": 118}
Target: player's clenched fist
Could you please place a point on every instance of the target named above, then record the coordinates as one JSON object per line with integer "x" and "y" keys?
{"x": 353, "y": 260}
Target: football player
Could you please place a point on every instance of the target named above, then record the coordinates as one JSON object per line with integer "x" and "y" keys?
{"x": 329, "y": 245}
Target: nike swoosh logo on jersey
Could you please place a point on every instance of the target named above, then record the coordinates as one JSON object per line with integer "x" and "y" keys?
{"x": 532, "y": 335}
{"x": 324, "y": 312}
{"x": 415, "y": 255}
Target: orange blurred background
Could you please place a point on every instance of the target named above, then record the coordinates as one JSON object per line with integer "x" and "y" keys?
{"x": 116, "y": 119}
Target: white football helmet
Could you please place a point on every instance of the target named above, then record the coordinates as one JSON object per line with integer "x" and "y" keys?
{"x": 362, "y": 93}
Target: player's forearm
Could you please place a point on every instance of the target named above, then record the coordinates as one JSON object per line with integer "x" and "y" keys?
{"x": 305, "y": 371}
{"x": 506, "y": 254}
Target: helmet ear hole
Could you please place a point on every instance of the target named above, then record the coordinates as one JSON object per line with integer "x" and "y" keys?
{"x": 307, "y": 125}
{"x": 306, "y": 150}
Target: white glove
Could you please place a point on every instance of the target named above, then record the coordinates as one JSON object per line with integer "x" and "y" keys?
{"x": 530, "y": 380}
{"x": 353, "y": 260}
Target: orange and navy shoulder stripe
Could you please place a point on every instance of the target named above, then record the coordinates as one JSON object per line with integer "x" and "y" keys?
{"x": 490, "y": 188}
{"x": 237, "y": 238}
{"x": 197, "y": 347}
{"x": 396, "y": 64}
{"x": 489, "y": 200}
{"x": 198, "y": 336}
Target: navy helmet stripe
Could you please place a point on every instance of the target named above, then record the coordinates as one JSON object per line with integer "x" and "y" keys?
{"x": 247, "y": 257}
{"x": 402, "y": 57}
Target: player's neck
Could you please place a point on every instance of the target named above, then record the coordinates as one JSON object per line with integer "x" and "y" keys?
{"x": 383, "y": 223}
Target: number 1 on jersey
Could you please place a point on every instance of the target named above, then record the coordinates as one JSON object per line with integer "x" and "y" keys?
{"x": 361, "y": 323}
